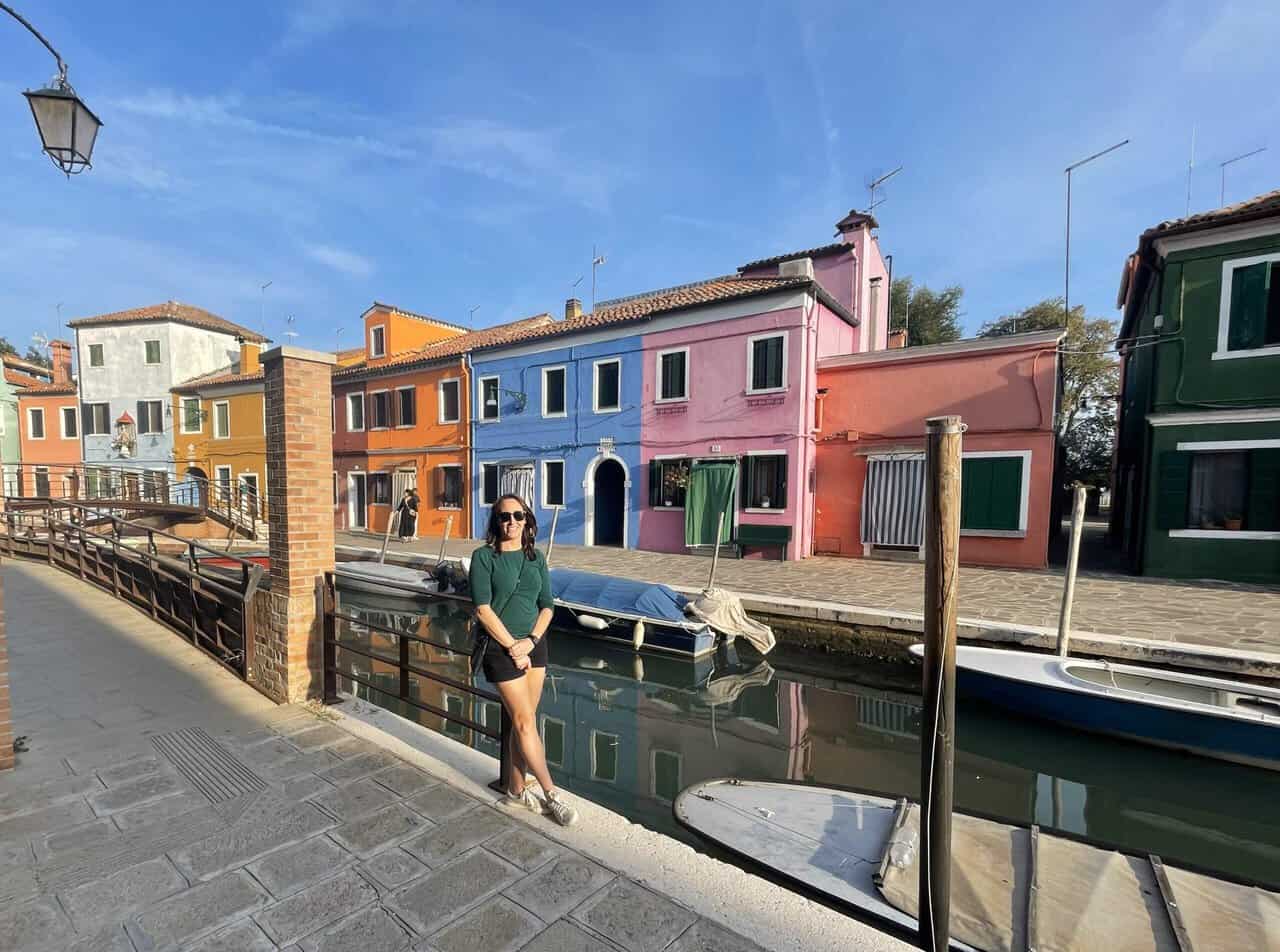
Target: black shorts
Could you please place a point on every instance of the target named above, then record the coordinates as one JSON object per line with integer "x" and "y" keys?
{"x": 499, "y": 666}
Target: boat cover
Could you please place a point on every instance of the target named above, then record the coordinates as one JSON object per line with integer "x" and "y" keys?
{"x": 723, "y": 611}
{"x": 618, "y": 595}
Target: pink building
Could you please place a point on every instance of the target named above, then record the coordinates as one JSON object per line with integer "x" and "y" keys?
{"x": 870, "y": 446}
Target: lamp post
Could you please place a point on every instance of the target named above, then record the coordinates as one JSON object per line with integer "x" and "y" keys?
{"x": 1066, "y": 283}
{"x": 68, "y": 128}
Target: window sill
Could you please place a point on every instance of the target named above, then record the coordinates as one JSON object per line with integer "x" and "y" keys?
{"x": 378, "y": 429}
{"x": 667, "y": 508}
{"x": 451, "y": 422}
{"x": 604, "y": 410}
{"x": 1270, "y": 350}
{"x": 759, "y": 510}
{"x": 552, "y": 506}
{"x": 554, "y": 416}
{"x": 995, "y": 533}
{"x": 1242, "y": 534}
{"x": 448, "y": 509}
{"x": 490, "y": 420}
{"x": 406, "y": 426}
{"x": 667, "y": 401}
{"x": 767, "y": 391}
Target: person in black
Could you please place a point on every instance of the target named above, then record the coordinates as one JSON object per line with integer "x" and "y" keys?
{"x": 408, "y": 510}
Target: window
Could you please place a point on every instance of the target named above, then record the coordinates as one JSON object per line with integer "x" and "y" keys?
{"x": 35, "y": 424}
{"x": 42, "y": 481}
{"x": 1249, "y": 312}
{"x": 378, "y": 341}
{"x": 380, "y": 489}
{"x": 553, "y": 398}
{"x": 406, "y": 406}
{"x": 70, "y": 425}
{"x": 150, "y": 419}
{"x": 764, "y": 482}
{"x": 552, "y": 483}
{"x": 766, "y": 363}
{"x": 96, "y": 358}
{"x": 668, "y": 482}
{"x": 489, "y": 407}
{"x": 448, "y": 400}
{"x": 604, "y": 756}
{"x": 151, "y": 351}
{"x": 221, "y": 420}
{"x": 192, "y": 418}
{"x": 488, "y": 483}
{"x": 379, "y": 410}
{"x": 1222, "y": 487}
{"x": 449, "y": 486}
{"x": 608, "y": 388}
{"x": 673, "y": 375}
{"x": 355, "y": 411}
{"x": 97, "y": 419}
{"x": 992, "y": 493}
{"x": 664, "y": 774}
{"x": 553, "y": 740}
{"x": 222, "y": 479}
{"x": 335, "y": 489}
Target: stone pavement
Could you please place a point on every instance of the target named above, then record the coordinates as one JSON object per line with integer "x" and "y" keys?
{"x": 1216, "y": 614}
{"x": 165, "y": 805}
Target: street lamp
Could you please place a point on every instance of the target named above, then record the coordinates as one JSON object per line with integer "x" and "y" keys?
{"x": 68, "y": 128}
{"x": 1066, "y": 283}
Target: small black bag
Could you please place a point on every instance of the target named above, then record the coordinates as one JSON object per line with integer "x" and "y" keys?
{"x": 480, "y": 636}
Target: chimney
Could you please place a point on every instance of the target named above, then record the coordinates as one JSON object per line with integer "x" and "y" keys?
{"x": 60, "y": 357}
{"x": 853, "y": 224}
{"x": 249, "y": 351}
{"x": 572, "y": 309}
{"x": 897, "y": 340}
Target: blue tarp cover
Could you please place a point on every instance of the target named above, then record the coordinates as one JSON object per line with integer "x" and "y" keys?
{"x": 618, "y": 595}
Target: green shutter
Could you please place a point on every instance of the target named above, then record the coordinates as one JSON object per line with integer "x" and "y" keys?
{"x": 1173, "y": 479}
{"x": 1006, "y": 492}
{"x": 747, "y": 480}
{"x": 1247, "y": 324}
{"x": 655, "y": 482}
{"x": 991, "y": 493}
{"x": 975, "y": 491}
{"x": 1263, "y": 513}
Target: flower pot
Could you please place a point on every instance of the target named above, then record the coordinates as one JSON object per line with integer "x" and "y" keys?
{"x": 1233, "y": 524}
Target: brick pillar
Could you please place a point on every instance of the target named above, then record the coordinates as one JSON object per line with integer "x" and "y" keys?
{"x": 300, "y": 520}
{"x": 6, "y": 718}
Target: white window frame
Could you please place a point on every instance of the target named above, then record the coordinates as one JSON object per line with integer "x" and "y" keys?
{"x": 564, "y": 369}
{"x": 657, "y": 376}
{"x": 668, "y": 458}
{"x": 160, "y": 418}
{"x": 498, "y": 468}
{"x": 364, "y": 417}
{"x": 216, "y": 404}
{"x": 457, "y": 384}
{"x": 182, "y": 410}
{"x": 480, "y": 382}
{"x": 44, "y": 428}
{"x": 542, "y": 733}
{"x": 101, "y": 350}
{"x": 159, "y": 356}
{"x": 399, "y": 424}
{"x": 1225, "y": 446}
{"x": 62, "y": 421}
{"x": 595, "y": 385}
{"x": 231, "y": 478}
{"x": 1023, "y": 503}
{"x": 564, "y": 484}
{"x": 374, "y": 336}
{"x": 617, "y": 757}
{"x": 97, "y": 403}
{"x": 1224, "y": 313}
{"x": 368, "y": 406}
{"x": 742, "y": 475}
{"x": 751, "y": 361}
{"x": 462, "y": 487}
{"x": 653, "y": 771}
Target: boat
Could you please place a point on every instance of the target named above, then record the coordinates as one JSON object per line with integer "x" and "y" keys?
{"x": 1012, "y": 887}
{"x": 1212, "y": 717}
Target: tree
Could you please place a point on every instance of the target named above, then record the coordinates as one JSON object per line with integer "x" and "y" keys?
{"x": 6, "y": 347}
{"x": 933, "y": 317}
{"x": 35, "y": 355}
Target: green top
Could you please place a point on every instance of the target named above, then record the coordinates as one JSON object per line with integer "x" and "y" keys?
{"x": 493, "y": 576}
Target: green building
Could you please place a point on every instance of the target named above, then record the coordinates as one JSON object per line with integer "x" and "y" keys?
{"x": 1197, "y": 465}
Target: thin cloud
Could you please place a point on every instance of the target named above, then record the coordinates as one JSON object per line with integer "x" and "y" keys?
{"x": 340, "y": 260}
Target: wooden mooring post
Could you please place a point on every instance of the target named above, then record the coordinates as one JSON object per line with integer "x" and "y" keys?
{"x": 1073, "y": 559}
{"x": 937, "y": 734}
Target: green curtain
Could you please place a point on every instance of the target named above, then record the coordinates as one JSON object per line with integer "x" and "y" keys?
{"x": 710, "y": 493}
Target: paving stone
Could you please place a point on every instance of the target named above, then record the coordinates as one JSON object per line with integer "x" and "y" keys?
{"x": 526, "y": 849}
{"x": 17, "y": 884}
{"x": 634, "y": 918}
{"x": 242, "y": 937}
{"x": 452, "y": 837}
{"x": 316, "y": 907}
{"x": 41, "y": 795}
{"x": 133, "y": 792}
{"x": 431, "y": 901}
{"x": 288, "y": 870}
{"x": 368, "y": 834}
{"x": 17, "y": 854}
{"x": 565, "y": 936}
{"x": 121, "y": 894}
{"x": 131, "y": 770}
{"x": 557, "y": 888}
{"x": 268, "y": 752}
{"x": 404, "y": 780}
{"x": 706, "y": 936}
{"x": 498, "y": 925}
{"x": 372, "y": 929}
{"x": 303, "y": 787}
{"x": 357, "y": 767}
{"x": 309, "y": 762}
{"x": 320, "y": 736}
{"x": 78, "y": 837}
{"x": 197, "y": 912}
{"x": 35, "y": 926}
{"x": 154, "y": 811}
{"x": 441, "y": 802}
{"x": 110, "y": 939}
{"x": 354, "y": 799}
{"x": 392, "y": 868}
{"x": 249, "y": 738}
{"x": 56, "y": 817}
{"x": 351, "y": 747}
{"x": 248, "y": 840}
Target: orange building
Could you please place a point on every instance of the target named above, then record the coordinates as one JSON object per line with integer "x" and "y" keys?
{"x": 49, "y": 429}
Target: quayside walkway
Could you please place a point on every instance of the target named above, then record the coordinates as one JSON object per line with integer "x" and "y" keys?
{"x": 165, "y": 805}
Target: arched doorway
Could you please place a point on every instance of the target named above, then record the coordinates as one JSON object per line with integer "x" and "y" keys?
{"x": 609, "y": 503}
{"x": 196, "y": 490}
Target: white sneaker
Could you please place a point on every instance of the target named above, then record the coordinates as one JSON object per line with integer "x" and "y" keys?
{"x": 526, "y": 799}
{"x": 560, "y": 811}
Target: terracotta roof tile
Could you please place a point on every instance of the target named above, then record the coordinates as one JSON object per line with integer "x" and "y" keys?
{"x": 453, "y": 346}
{"x": 19, "y": 379}
{"x": 1260, "y": 206}
{"x": 48, "y": 389}
{"x": 823, "y": 251}
{"x": 220, "y": 377}
{"x": 172, "y": 311}
{"x": 417, "y": 317}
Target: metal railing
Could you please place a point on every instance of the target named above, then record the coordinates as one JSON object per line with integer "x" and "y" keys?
{"x": 210, "y": 607}
{"x": 405, "y": 672}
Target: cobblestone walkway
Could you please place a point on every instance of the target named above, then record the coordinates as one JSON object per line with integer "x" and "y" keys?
{"x": 1219, "y": 614}
{"x": 165, "y": 805}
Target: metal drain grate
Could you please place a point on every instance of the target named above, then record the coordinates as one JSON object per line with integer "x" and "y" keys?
{"x": 207, "y": 764}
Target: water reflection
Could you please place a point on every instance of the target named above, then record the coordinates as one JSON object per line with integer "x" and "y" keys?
{"x": 630, "y": 731}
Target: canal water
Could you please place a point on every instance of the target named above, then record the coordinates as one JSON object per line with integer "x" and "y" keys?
{"x": 629, "y": 731}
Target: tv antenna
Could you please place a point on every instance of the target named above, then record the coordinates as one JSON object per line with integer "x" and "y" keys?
{"x": 337, "y": 336}
{"x": 471, "y": 316}
{"x": 262, "y": 306}
{"x": 1191, "y": 166}
{"x": 289, "y": 327}
{"x": 875, "y": 184}
{"x": 596, "y": 261}
{"x": 1222, "y": 194}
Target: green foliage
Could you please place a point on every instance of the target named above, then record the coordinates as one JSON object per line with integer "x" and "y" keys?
{"x": 934, "y": 316}
{"x": 35, "y": 355}
{"x": 6, "y": 347}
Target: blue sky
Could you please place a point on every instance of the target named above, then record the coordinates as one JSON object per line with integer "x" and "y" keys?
{"x": 440, "y": 156}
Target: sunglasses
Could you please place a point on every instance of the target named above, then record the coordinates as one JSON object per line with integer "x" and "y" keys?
{"x": 505, "y": 517}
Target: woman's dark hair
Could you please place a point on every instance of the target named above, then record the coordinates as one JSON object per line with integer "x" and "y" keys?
{"x": 493, "y": 535}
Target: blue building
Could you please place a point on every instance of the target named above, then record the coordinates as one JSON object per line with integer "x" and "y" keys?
{"x": 557, "y": 421}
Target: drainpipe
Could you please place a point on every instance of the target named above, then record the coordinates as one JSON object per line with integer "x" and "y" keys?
{"x": 468, "y": 376}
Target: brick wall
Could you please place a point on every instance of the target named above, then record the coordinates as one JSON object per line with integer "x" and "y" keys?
{"x": 6, "y": 719}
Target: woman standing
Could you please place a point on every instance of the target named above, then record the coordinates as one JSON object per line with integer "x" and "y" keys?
{"x": 408, "y": 510}
{"x": 512, "y": 593}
